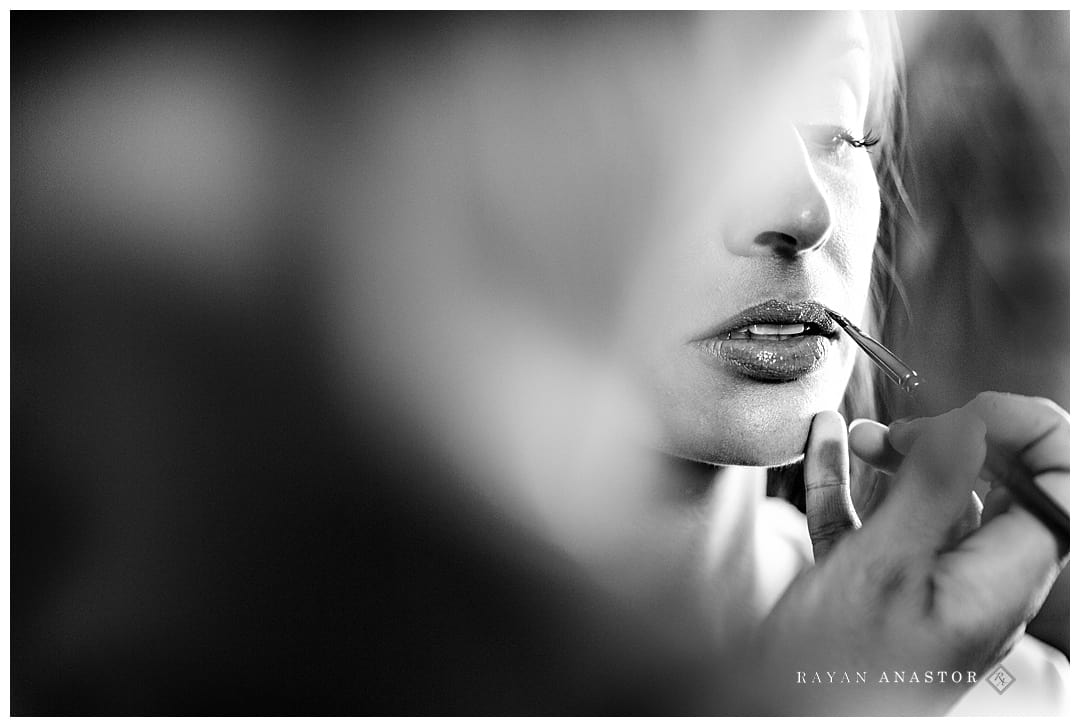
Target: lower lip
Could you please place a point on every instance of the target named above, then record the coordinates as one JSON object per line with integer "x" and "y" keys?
{"x": 766, "y": 359}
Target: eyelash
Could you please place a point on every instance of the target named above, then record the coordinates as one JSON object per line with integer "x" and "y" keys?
{"x": 865, "y": 142}
{"x": 830, "y": 138}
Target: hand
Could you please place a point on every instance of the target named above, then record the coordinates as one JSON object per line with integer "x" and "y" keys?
{"x": 869, "y": 441}
{"x": 905, "y": 592}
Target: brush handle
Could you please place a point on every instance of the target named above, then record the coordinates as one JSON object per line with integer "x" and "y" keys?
{"x": 901, "y": 374}
{"x": 1034, "y": 499}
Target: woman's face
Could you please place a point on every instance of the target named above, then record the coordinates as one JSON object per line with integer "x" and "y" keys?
{"x": 736, "y": 352}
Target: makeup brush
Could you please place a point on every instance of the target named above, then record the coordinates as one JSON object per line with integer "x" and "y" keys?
{"x": 1019, "y": 482}
{"x": 899, "y": 372}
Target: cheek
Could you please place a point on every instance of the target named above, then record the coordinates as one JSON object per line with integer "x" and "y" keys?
{"x": 858, "y": 212}
{"x": 867, "y": 208}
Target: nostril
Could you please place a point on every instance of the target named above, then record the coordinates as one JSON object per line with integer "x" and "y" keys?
{"x": 781, "y": 242}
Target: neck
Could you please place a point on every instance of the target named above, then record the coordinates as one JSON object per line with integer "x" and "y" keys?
{"x": 655, "y": 526}
{"x": 684, "y": 482}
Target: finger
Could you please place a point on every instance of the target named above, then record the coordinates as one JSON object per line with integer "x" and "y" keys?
{"x": 1034, "y": 430}
{"x": 998, "y": 500}
{"x": 932, "y": 489}
{"x": 869, "y": 441}
{"x": 1029, "y": 492}
{"x": 968, "y": 522}
{"x": 904, "y": 432}
{"x": 1028, "y": 446}
{"x": 1015, "y": 558}
{"x": 1030, "y": 430}
{"x": 830, "y": 513}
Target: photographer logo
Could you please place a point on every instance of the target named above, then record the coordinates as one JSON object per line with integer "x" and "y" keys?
{"x": 1000, "y": 679}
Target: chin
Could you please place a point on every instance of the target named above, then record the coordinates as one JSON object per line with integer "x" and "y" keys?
{"x": 750, "y": 424}
{"x": 713, "y": 416}
{"x": 771, "y": 441}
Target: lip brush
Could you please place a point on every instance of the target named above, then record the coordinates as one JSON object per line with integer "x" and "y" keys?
{"x": 1020, "y": 483}
{"x": 902, "y": 375}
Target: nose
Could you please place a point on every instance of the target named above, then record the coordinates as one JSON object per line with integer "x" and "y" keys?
{"x": 781, "y": 206}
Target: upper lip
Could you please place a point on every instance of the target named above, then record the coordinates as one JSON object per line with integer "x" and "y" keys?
{"x": 779, "y": 311}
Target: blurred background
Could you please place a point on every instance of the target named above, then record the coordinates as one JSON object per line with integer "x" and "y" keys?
{"x": 216, "y": 503}
{"x": 987, "y": 267}
{"x": 986, "y": 264}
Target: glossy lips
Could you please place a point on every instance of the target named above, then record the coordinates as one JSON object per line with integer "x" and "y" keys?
{"x": 774, "y": 341}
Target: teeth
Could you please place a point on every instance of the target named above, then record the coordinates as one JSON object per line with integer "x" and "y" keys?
{"x": 778, "y": 329}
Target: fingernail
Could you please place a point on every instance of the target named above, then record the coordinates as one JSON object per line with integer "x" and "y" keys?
{"x": 899, "y": 424}
{"x": 859, "y": 422}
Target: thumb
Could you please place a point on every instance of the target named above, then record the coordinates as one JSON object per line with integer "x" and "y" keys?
{"x": 869, "y": 442}
{"x": 931, "y": 494}
{"x": 830, "y": 513}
